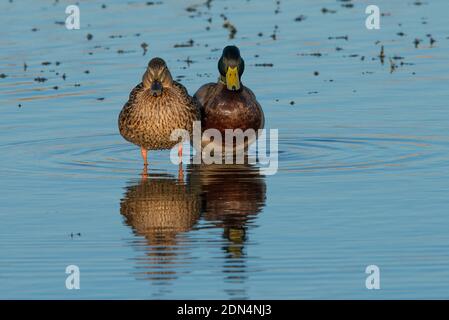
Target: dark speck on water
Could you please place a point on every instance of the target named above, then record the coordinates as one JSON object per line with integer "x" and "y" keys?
{"x": 313, "y": 54}
{"x": 339, "y": 38}
{"x": 325, "y": 10}
{"x": 300, "y": 18}
{"x": 144, "y": 46}
{"x": 416, "y": 42}
{"x": 184, "y": 45}
{"x": 40, "y": 79}
{"x": 231, "y": 29}
{"x": 89, "y": 36}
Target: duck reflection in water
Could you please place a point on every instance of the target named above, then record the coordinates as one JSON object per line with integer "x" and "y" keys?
{"x": 163, "y": 209}
{"x": 232, "y": 196}
{"x": 160, "y": 208}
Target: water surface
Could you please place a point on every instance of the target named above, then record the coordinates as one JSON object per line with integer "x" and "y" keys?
{"x": 363, "y": 153}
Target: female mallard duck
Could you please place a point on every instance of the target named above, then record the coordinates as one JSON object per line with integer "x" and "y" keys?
{"x": 156, "y": 107}
{"x": 228, "y": 104}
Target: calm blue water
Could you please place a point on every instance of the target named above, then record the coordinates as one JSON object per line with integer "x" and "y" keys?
{"x": 363, "y": 154}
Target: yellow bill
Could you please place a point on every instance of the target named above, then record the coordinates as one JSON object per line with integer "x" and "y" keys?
{"x": 232, "y": 79}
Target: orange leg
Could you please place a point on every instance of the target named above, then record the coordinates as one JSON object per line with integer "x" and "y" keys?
{"x": 180, "y": 174}
{"x": 144, "y": 156}
{"x": 180, "y": 151}
{"x": 144, "y": 174}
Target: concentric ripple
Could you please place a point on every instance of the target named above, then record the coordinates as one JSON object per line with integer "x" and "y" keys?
{"x": 324, "y": 154}
{"x": 109, "y": 155}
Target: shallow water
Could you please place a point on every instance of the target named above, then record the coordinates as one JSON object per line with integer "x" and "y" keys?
{"x": 363, "y": 154}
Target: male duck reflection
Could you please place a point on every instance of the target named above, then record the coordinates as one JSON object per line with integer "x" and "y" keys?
{"x": 232, "y": 196}
{"x": 162, "y": 209}
{"x": 156, "y": 107}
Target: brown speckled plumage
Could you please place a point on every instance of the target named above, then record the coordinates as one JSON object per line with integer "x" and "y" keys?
{"x": 147, "y": 120}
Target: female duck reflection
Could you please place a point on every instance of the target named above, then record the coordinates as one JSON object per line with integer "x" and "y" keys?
{"x": 162, "y": 209}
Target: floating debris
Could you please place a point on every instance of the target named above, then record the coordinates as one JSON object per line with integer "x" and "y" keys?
{"x": 401, "y": 34}
{"x": 46, "y": 63}
{"x": 347, "y": 5}
{"x": 75, "y": 234}
{"x": 231, "y": 28}
{"x": 300, "y": 18}
{"x": 188, "y": 61}
{"x": 184, "y": 45}
{"x": 100, "y": 99}
{"x": 89, "y": 36}
{"x": 382, "y": 54}
{"x": 393, "y": 66}
{"x": 313, "y": 54}
{"x": 191, "y": 8}
{"x": 121, "y": 51}
{"x": 144, "y": 46}
{"x": 339, "y": 38}
{"x": 278, "y": 7}
{"x": 326, "y": 10}
{"x": 40, "y": 79}
{"x": 416, "y": 42}
{"x": 275, "y": 31}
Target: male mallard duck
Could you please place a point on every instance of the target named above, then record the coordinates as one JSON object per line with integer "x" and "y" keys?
{"x": 228, "y": 104}
{"x": 157, "y": 106}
